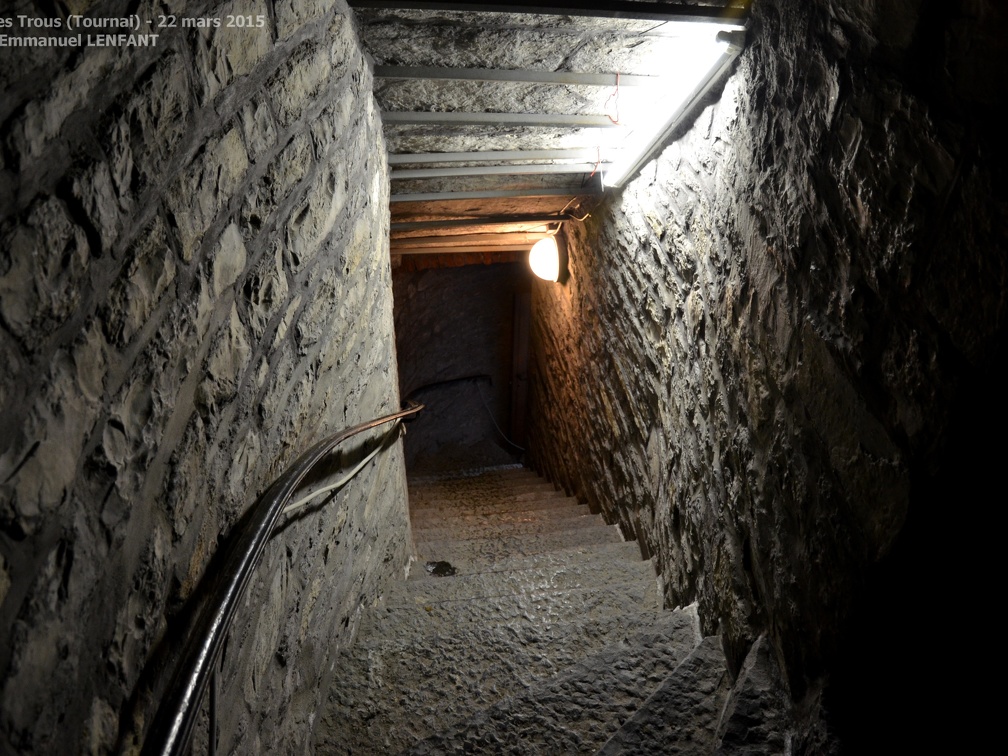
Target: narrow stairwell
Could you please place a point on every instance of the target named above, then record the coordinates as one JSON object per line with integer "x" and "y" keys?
{"x": 528, "y": 626}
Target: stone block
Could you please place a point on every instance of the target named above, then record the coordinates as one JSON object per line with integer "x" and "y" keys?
{"x": 46, "y": 262}
{"x": 225, "y": 53}
{"x": 318, "y": 313}
{"x": 70, "y": 92}
{"x": 299, "y": 82}
{"x": 266, "y": 291}
{"x": 317, "y": 215}
{"x": 259, "y": 128}
{"x": 107, "y": 209}
{"x": 228, "y": 359}
{"x": 205, "y": 187}
{"x": 228, "y": 260}
{"x": 149, "y": 273}
{"x": 44, "y": 459}
{"x": 291, "y": 15}
{"x": 147, "y": 138}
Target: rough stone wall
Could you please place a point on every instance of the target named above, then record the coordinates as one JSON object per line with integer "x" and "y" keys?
{"x": 456, "y": 323}
{"x": 194, "y": 287}
{"x": 754, "y": 362}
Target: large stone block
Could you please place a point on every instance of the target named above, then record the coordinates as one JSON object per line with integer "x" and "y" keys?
{"x": 302, "y": 78}
{"x": 45, "y": 263}
{"x": 145, "y": 278}
{"x": 200, "y": 193}
{"x": 233, "y": 49}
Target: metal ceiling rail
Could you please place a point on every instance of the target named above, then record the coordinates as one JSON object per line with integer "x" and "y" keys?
{"x": 568, "y": 78}
{"x": 561, "y": 120}
{"x": 513, "y": 169}
{"x": 735, "y": 41}
{"x": 583, "y": 155}
{"x": 628, "y": 9}
{"x": 575, "y": 191}
{"x": 485, "y": 220}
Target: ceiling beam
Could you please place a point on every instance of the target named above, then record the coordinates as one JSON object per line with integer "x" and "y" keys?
{"x": 518, "y": 76}
{"x": 556, "y": 120}
{"x": 533, "y": 169}
{"x": 405, "y": 158}
{"x": 630, "y": 9}
{"x": 485, "y": 220}
{"x": 574, "y": 191}
{"x": 462, "y": 250}
{"x": 489, "y": 239}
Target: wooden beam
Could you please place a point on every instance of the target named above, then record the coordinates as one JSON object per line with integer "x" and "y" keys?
{"x": 490, "y": 239}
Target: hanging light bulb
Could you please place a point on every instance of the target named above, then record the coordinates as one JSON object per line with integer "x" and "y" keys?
{"x": 544, "y": 259}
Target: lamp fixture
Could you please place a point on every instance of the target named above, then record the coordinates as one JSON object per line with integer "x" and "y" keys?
{"x": 544, "y": 259}
{"x": 692, "y": 66}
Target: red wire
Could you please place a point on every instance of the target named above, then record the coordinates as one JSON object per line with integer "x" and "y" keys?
{"x": 615, "y": 94}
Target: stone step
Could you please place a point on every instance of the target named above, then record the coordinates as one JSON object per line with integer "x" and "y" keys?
{"x": 578, "y": 710}
{"x": 681, "y": 716}
{"x": 540, "y": 606}
{"x": 531, "y": 526}
{"x": 498, "y": 519}
{"x": 493, "y": 479}
{"x": 537, "y": 577}
{"x": 528, "y": 500}
{"x": 477, "y": 551}
{"x": 607, "y": 552}
{"x": 398, "y": 689}
{"x": 543, "y": 636}
{"x": 529, "y": 483}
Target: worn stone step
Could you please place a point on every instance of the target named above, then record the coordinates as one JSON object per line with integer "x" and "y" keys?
{"x": 544, "y": 506}
{"x": 539, "y": 577}
{"x": 475, "y": 551}
{"x": 542, "y": 606}
{"x": 515, "y": 515}
{"x": 401, "y": 689}
{"x": 488, "y": 480}
{"x": 627, "y": 551}
{"x": 578, "y": 710}
{"x": 532, "y": 500}
{"x": 488, "y": 484}
{"x": 563, "y": 522}
{"x": 681, "y": 716}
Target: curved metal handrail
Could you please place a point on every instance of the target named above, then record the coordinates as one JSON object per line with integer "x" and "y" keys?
{"x": 173, "y": 724}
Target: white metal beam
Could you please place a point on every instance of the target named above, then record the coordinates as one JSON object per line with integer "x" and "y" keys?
{"x": 568, "y": 78}
{"x": 556, "y": 120}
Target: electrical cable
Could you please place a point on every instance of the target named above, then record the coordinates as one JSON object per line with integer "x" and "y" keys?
{"x": 615, "y": 98}
{"x": 494, "y": 421}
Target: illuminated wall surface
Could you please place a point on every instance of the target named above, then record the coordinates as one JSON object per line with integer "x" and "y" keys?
{"x": 776, "y": 361}
{"x": 194, "y": 287}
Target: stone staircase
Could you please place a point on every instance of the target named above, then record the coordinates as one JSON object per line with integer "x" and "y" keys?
{"x": 528, "y": 626}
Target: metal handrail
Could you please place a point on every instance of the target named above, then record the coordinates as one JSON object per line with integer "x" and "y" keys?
{"x": 173, "y": 724}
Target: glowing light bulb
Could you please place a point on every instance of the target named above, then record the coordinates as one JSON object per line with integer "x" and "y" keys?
{"x": 544, "y": 259}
